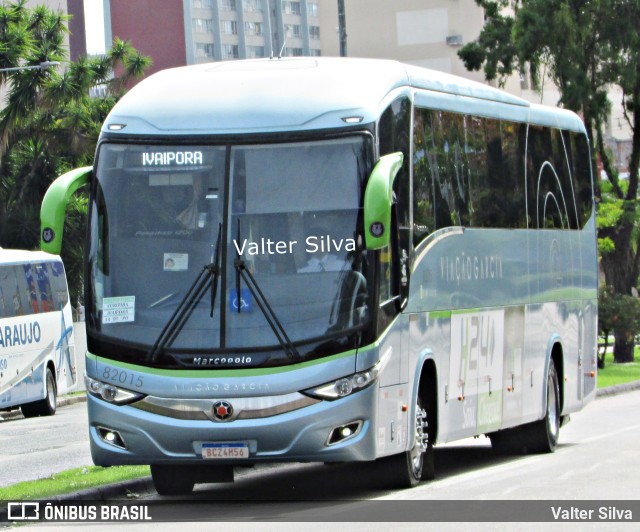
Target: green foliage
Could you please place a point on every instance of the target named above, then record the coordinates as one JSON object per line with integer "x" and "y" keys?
{"x": 610, "y": 213}
{"x": 605, "y": 246}
{"x": 584, "y": 47}
{"x": 561, "y": 39}
{"x": 618, "y": 314}
{"x": 495, "y": 47}
{"x": 50, "y": 123}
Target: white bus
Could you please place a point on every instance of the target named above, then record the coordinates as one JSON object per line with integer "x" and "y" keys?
{"x": 37, "y": 351}
{"x": 330, "y": 260}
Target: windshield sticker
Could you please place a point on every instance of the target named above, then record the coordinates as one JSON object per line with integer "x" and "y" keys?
{"x": 118, "y": 309}
{"x": 176, "y": 262}
{"x": 244, "y": 302}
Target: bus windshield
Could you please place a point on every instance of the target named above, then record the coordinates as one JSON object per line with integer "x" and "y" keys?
{"x": 274, "y": 228}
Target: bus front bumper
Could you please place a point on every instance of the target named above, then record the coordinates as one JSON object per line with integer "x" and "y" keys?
{"x": 324, "y": 431}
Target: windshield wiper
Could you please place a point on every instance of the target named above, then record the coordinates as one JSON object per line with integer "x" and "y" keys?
{"x": 208, "y": 277}
{"x": 216, "y": 273}
{"x": 263, "y": 303}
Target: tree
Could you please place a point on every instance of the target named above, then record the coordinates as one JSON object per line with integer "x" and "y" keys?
{"x": 585, "y": 47}
{"x": 616, "y": 313}
{"x": 50, "y": 123}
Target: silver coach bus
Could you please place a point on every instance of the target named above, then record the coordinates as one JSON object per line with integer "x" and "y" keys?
{"x": 331, "y": 260}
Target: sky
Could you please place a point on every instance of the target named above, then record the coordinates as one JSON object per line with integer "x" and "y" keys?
{"x": 94, "y": 26}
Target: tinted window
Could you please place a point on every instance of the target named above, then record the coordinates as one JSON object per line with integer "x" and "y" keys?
{"x": 32, "y": 288}
{"x": 467, "y": 172}
{"x": 580, "y": 160}
{"x": 394, "y": 133}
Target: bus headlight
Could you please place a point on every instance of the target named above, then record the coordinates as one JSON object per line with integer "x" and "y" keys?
{"x": 345, "y": 385}
{"x": 110, "y": 393}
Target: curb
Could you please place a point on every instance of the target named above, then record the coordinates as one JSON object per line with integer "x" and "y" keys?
{"x": 67, "y": 400}
{"x": 618, "y": 389}
{"x": 64, "y": 400}
{"x": 129, "y": 490}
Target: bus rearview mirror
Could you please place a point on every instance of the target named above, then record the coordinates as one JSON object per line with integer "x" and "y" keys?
{"x": 378, "y": 201}
{"x": 54, "y": 206}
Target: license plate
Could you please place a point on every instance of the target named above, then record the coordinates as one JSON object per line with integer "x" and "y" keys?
{"x": 225, "y": 450}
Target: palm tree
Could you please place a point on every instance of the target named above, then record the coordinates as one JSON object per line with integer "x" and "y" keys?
{"x": 50, "y": 123}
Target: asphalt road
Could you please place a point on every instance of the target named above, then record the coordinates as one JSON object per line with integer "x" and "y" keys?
{"x": 596, "y": 458}
{"x": 38, "y": 447}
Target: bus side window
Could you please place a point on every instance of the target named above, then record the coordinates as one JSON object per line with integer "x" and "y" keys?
{"x": 394, "y": 132}
{"x": 58, "y": 284}
{"x": 29, "y": 288}
{"x": 7, "y": 286}
{"x": 580, "y": 160}
{"x": 43, "y": 286}
{"x": 17, "y": 295}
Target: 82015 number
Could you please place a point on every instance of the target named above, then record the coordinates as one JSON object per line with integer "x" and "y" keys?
{"x": 119, "y": 376}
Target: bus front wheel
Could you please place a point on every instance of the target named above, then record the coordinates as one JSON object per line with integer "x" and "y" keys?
{"x": 46, "y": 406}
{"x": 407, "y": 469}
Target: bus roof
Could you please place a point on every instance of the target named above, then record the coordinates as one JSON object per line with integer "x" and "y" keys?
{"x": 23, "y": 256}
{"x": 296, "y": 94}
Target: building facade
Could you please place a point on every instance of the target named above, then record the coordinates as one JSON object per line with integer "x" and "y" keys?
{"x": 157, "y": 33}
{"x": 239, "y": 29}
{"x": 423, "y": 33}
{"x": 426, "y": 33}
{"x": 184, "y": 32}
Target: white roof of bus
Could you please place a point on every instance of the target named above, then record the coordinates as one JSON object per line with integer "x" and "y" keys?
{"x": 289, "y": 94}
{"x": 23, "y": 256}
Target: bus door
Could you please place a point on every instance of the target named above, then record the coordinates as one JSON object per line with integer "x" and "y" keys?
{"x": 512, "y": 376}
{"x": 476, "y": 371}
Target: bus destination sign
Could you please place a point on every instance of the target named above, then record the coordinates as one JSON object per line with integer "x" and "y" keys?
{"x": 171, "y": 158}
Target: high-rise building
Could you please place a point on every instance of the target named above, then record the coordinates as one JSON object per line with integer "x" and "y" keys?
{"x": 238, "y": 29}
{"x": 77, "y": 31}
{"x": 182, "y": 32}
{"x": 156, "y": 29}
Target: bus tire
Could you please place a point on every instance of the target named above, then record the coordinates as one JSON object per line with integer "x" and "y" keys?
{"x": 429, "y": 463}
{"x": 542, "y": 436}
{"x": 407, "y": 469}
{"x": 173, "y": 479}
{"x": 46, "y": 406}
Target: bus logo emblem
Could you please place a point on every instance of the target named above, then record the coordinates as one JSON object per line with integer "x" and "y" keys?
{"x": 377, "y": 229}
{"x": 48, "y": 235}
{"x": 222, "y": 410}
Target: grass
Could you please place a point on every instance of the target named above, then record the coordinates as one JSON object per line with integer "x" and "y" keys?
{"x": 71, "y": 481}
{"x": 613, "y": 374}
